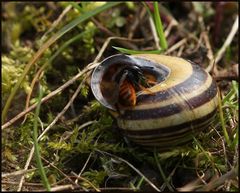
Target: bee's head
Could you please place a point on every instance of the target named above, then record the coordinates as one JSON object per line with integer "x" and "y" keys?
{"x": 133, "y": 74}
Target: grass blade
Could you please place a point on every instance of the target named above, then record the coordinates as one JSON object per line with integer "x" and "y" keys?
{"x": 161, "y": 172}
{"x": 159, "y": 27}
{"x": 47, "y": 44}
{"x": 148, "y": 10}
{"x": 226, "y": 136}
{"x": 36, "y": 147}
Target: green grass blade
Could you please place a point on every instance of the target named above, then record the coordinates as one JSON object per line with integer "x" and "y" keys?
{"x": 128, "y": 51}
{"x": 161, "y": 171}
{"x": 226, "y": 136}
{"x": 139, "y": 183}
{"x": 159, "y": 26}
{"x": 235, "y": 139}
{"x": 48, "y": 43}
{"x": 235, "y": 87}
{"x": 37, "y": 150}
{"x": 228, "y": 96}
{"x": 232, "y": 92}
{"x": 148, "y": 10}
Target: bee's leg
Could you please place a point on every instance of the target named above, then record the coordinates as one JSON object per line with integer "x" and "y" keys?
{"x": 152, "y": 82}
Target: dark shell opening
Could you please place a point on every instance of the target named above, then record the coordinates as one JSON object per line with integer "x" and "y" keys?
{"x": 103, "y": 82}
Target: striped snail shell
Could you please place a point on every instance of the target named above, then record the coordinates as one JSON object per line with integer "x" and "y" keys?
{"x": 183, "y": 101}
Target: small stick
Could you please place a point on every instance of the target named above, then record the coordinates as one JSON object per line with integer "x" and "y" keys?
{"x": 59, "y": 188}
{"x": 154, "y": 32}
{"x": 210, "y": 55}
{"x": 176, "y": 46}
{"x": 228, "y": 41}
{"x": 57, "y": 21}
{"x": 20, "y": 172}
{"x": 25, "y": 183}
{"x": 169, "y": 27}
{"x": 83, "y": 168}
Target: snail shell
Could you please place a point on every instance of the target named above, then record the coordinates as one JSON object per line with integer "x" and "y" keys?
{"x": 183, "y": 102}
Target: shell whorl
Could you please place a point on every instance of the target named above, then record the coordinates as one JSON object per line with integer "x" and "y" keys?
{"x": 183, "y": 102}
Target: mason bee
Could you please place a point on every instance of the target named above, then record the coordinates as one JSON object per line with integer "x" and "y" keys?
{"x": 132, "y": 80}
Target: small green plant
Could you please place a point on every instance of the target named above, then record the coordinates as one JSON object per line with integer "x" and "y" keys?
{"x": 36, "y": 147}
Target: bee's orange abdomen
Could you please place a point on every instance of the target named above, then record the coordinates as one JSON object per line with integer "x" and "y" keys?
{"x": 127, "y": 94}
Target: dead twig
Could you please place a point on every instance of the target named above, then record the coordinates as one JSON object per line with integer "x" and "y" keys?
{"x": 59, "y": 188}
{"x": 17, "y": 173}
{"x": 57, "y": 21}
{"x": 228, "y": 41}
{"x": 154, "y": 32}
{"x": 25, "y": 183}
{"x": 180, "y": 51}
{"x": 83, "y": 168}
{"x": 172, "y": 24}
{"x": 209, "y": 52}
{"x": 176, "y": 46}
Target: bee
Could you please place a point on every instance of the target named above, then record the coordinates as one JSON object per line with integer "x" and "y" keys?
{"x": 132, "y": 80}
